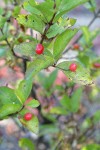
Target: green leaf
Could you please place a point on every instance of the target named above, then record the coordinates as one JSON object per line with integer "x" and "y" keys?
{"x": 91, "y": 5}
{"x": 48, "y": 129}
{"x": 50, "y": 80}
{"x": 9, "y": 103}
{"x": 31, "y": 21}
{"x": 75, "y": 100}
{"x": 96, "y": 117}
{"x": 9, "y": 109}
{"x": 72, "y": 21}
{"x": 72, "y": 104}
{"x": 23, "y": 90}
{"x": 39, "y": 64}
{"x": 61, "y": 42}
{"x": 2, "y": 21}
{"x": 26, "y": 49}
{"x": 22, "y": 37}
{"x": 46, "y": 9}
{"x": 81, "y": 76}
{"x": 65, "y": 102}
{"x": 1, "y": 11}
{"x": 6, "y": 32}
{"x": 58, "y": 110}
{"x": 91, "y": 147}
{"x": 89, "y": 36}
{"x": 95, "y": 33}
{"x": 66, "y": 6}
{"x": 8, "y": 15}
{"x": 86, "y": 34}
{"x": 32, "y": 125}
{"x": 84, "y": 60}
{"x": 7, "y": 96}
{"x": 32, "y": 2}
{"x": 66, "y": 22}
{"x": 26, "y": 143}
{"x": 54, "y": 30}
{"x": 3, "y": 51}
{"x": 47, "y": 81}
{"x": 3, "y": 37}
{"x": 31, "y": 9}
{"x": 16, "y": 11}
{"x": 33, "y": 103}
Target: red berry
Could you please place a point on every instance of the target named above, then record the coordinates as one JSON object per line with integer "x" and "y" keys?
{"x": 39, "y": 49}
{"x": 28, "y": 116}
{"x": 73, "y": 67}
{"x": 76, "y": 46}
{"x": 96, "y": 65}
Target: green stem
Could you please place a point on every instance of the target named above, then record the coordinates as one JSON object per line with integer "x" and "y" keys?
{"x": 48, "y": 25}
{"x": 61, "y": 68}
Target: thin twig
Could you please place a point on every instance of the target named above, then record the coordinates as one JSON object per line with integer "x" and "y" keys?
{"x": 6, "y": 40}
{"x": 92, "y": 6}
{"x": 11, "y": 48}
{"x": 85, "y": 132}
{"x": 80, "y": 36}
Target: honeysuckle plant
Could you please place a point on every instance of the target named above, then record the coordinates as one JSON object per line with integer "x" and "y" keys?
{"x": 51, "y": 32}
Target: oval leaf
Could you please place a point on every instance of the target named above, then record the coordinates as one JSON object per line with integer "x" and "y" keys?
{"x": 32, "y": 125}
{"x": 26, "y": 49}
{"x": 61, "y": 42}
{"x": 33, "y": 103}
{"x": 81, "y": 76}
{"x": 9, "y": 109}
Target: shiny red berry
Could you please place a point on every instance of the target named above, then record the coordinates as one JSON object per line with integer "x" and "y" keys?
{"x": 73, "y": 67}
{"x": 76, "y": 46}
{"x": 39, "y": 49}
{"x": 96, "y": 65}
{"x": 28, "y": 116}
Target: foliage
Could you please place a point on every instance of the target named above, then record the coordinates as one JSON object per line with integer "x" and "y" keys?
{"x": 26, "y": 143}
{"x": 54, "y": 30}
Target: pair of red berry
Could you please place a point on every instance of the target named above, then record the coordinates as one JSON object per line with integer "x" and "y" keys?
{"x": 39, "y": 50}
